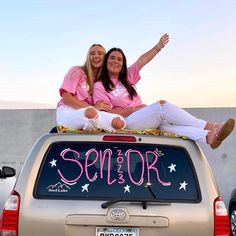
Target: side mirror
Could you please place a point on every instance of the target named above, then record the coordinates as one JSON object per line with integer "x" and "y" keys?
{"x": 8, "y": 172}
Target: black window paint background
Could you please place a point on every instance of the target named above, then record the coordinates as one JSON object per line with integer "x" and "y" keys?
{"x": 99, "y": 189}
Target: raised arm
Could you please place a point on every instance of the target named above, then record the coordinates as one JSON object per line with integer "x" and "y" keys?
{"x": 149, "y": 55}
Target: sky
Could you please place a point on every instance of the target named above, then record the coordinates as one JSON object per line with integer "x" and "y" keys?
{"x": 41, "y": 40}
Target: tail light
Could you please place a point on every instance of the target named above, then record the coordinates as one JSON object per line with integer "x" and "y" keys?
{"x": 10, "y": 215}
{"x": 221, "y": 218}
{"x": 119, "y": 138}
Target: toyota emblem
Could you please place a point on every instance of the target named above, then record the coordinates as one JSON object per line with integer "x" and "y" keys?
{"x": 117, "y": 214}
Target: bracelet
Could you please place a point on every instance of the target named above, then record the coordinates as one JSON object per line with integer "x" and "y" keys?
{"x": 159, "y": 46}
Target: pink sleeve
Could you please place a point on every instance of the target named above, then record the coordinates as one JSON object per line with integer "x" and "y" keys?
{"x": 100, "y": 94}
{"x": 71, "y": 80}
{"x": 133, "y": 74}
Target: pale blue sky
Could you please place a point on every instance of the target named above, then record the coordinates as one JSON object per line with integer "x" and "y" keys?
{"x": 41, "y": 40}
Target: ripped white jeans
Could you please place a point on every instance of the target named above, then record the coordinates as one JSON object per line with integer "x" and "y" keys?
{"x": 169, "y": 118}
{"x": 75, "y": 119}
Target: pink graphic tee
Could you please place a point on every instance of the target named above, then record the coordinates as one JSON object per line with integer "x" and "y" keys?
{"x": 119, "y": 96}
{"x": 75, "y": 82}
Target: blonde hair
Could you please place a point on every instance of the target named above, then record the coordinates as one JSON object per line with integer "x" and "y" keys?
{"x": 87, "y": 67}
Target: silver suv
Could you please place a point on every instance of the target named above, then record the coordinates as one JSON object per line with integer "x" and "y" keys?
{"x": 115, "y": 185}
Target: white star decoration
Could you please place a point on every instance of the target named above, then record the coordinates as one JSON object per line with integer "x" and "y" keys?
{"x": 127, "y": 188}
{"x": 172, "y": 167}
{"x": 53, "y": 163}
{"x": 85, "y": 188}
{"x": 183, "y": 185}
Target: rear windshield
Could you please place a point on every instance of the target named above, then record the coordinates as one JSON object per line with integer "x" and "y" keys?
{"x": 75, "y": 170}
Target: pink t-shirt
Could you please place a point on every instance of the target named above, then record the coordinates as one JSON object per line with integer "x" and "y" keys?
{"x": 119, "y": 97}
{"x": 75, "y": 82}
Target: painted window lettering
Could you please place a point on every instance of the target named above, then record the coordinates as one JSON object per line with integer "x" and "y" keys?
{"x": 101, "y": 156}
{"x": 123, "y": 171}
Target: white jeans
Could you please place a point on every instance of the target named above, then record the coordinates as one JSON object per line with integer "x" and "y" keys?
{"x": 169, "y": 118}
{"x": 75, "y": 119}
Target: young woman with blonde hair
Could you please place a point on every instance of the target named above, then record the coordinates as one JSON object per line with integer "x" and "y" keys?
{"x": 76, "y": 108}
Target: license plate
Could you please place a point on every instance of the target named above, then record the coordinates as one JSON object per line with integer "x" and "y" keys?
{"x": 116, "y": 231}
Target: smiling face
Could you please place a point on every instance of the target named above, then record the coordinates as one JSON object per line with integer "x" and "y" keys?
{"x": 96, "y": 56}
{"x": 114, "y": 63}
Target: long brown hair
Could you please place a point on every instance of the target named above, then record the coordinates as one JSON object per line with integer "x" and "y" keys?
{"x": 106, "y": 81}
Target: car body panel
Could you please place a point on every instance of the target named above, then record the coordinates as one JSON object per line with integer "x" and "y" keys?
{"x": 81, "y": 217}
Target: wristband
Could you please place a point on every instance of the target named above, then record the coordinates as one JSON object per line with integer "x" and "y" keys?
{"x": 159, "y": 46}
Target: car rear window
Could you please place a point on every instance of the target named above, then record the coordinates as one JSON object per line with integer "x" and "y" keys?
{"x": 85, "y": 170}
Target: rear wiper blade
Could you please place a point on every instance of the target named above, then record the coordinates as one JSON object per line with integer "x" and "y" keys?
{"x": 149, "y": 186}
{"x": 143, "y": 201}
